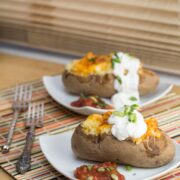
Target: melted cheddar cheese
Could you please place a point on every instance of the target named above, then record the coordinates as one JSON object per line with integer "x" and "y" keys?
{"x": 152, "y": 130}
{"x": 97, "y": 124}
{"x": 91, "y": 64}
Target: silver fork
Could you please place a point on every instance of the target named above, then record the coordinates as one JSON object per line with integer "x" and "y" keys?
{"x": 22, "y": 97}
{"x": 35, "y": 118}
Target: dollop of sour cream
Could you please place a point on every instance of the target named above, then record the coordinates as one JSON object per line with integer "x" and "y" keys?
{"x": 127, "y": 80}
{"x": 122, "y": 128}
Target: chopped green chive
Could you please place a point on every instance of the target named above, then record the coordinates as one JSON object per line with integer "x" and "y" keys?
{"x": 108, "y": 169}
{"x": 102, "y": 104}
{"x": 113, "y": 64}
{"x": 128, "y": 168}
{"x": 89, "y": 178}
{"x": 114, "y": 177}
{"x": 132, "y": 117}
{"x": 134, "y": 106}
{"x": 89, "y": 167}
{"x": 132, "y": 98}
{"x": 111, "y": 168}
{"x": 101, "y": 169}
{"x": 118, "y": 113}
{"x": 115, "y": 53}
{"x": 116, "y": 59}
{"x": 128, "y": 111}
{"x": 119, "y": 79}
{"x": 92, "y": 59}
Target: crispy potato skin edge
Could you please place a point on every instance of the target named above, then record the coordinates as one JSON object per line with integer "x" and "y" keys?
{"x": 103, "y": 85}
{"x": 108, "y": 148}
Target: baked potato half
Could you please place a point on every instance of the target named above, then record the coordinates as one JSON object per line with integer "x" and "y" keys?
{"x": 102, "y": 146}
{"x": 93, "y": 75}
{"x": 103, "y": 85}
{"x": 147, "y": 154}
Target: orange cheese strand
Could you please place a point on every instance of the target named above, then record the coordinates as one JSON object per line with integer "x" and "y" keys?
{"x": 152, "y": 130}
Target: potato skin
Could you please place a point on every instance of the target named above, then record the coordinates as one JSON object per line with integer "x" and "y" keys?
{"x": 107, "y": 148}
{"x": 103, "y": 85}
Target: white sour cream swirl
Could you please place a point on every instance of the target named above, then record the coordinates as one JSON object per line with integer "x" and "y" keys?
{"x": 122, "y": 128}
{"x": 128, "y": 87}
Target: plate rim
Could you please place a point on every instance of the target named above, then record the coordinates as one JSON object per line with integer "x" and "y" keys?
{"x": 92, "y": 109}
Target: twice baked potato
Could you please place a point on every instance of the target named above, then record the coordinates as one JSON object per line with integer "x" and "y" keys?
{"x": 96, "y": 77}
{"x": 93, "y": 140}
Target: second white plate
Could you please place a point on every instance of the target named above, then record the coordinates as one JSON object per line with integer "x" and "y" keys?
{"x": 57, "y": 150}
{"x": 55, "y": 88}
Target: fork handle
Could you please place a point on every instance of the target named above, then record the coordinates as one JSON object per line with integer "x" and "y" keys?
{"x": 24, "y": 161}
{"x": 6, "y": 146}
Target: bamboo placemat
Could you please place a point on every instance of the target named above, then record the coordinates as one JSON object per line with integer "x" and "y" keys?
{"x": 58, "y": 120}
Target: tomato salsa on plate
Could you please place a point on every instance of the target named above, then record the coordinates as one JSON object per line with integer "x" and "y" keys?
{"x": 103, "y": 171}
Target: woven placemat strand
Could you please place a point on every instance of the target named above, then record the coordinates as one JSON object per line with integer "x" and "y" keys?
{"x": 58, "y": 120}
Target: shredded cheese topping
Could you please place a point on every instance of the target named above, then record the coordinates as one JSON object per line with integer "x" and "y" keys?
{"x": 91, "y": 64}
{"x": 97, "y": 124}
{"x": 152, "y": 130}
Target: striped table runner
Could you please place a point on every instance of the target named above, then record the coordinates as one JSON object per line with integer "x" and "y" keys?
{"x": 58, "y": 120}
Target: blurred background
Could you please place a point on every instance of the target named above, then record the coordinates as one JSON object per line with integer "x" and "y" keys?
{"x": 148, "y": 29}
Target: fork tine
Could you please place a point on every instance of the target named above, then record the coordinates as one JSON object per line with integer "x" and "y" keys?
{"x": 28, "y": 117}
{"x": 40, "y": 115}
{"x": 35, "y": 112}
{"x": 26, "y": 95}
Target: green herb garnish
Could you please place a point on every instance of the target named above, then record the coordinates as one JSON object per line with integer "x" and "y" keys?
{"x": 115, "y": 59}
{"x": 134, "y": 106}
{"x": 93, "y": 59}
{"x": 101, "y": 104}
{"x": 111, "y": 168}
{"x": 118, "y": 113}
{"x": 101, "y": 169}
{"x": 119, "y": 79}
{"x": 108, "y": 169}
{"x": 132, "y": 98}
{"x": 89, "y": 167}
{"x": 128, "y": 111}
{"x": 115, "y": 53}
{"x": 114, "y": 177}
{"x": 90, "y": 178}
{"x": 128, "y": 168}
{"x": 132, "y": 117}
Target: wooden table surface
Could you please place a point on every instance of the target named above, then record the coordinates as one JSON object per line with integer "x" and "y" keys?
{"x": 15, "y": 69}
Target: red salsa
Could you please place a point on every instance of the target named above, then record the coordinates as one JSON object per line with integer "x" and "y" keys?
{"x": 103, "y": 171}
{"x": 93, "y": 101}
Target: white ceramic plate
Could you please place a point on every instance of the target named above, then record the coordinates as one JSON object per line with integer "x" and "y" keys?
{"x": 57, "y": 150}
{"x": 55, "y": 88}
